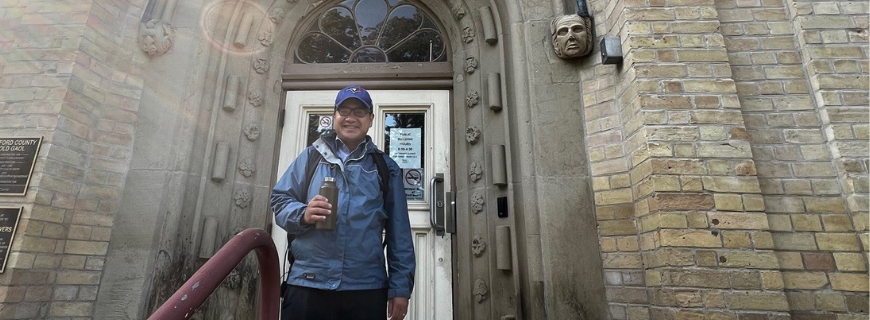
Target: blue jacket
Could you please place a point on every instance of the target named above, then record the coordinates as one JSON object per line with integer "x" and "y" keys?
{"x": 351, "y": 257}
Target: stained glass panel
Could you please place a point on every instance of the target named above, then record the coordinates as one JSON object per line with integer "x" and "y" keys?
{"x": 360, "y": 31}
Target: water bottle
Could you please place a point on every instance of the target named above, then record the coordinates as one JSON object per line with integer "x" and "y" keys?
{"x": 330, "y": 191}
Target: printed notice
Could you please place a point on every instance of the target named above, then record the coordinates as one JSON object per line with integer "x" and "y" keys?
{"x": 405, "y": 147}
{"x": 17, "y": 157}
{"x": 413, "y": 180}
{"x": 8, "y": 224}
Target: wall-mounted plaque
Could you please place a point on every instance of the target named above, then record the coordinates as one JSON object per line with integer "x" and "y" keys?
{"x": 8, "y": 225}
{"x": 17, "y": 157}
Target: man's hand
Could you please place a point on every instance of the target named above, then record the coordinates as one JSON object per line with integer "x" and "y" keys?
{"x": 396, "y": 308}
{"x": 317, "y": 210}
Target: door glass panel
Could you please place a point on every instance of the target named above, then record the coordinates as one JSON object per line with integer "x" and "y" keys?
{"x": 317, "y": 124}
{"x": 404, "y": 142}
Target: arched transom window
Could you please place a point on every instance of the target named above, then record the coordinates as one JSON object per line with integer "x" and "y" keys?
{"x": 355, "y": 31}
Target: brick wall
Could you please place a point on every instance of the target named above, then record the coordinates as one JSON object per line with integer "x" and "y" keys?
{"x": 721, "y": 189}
{"x": 683, "y": 233}
{"x": 68, "y": 74}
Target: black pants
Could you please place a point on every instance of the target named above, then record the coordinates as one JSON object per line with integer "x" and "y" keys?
{"x": 301, "y": 303}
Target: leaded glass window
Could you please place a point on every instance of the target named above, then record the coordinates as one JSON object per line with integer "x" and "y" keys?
{"x": 356, "y": 31}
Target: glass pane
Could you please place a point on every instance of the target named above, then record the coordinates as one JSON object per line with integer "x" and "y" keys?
{"x": 404, "y": 142}
{"x": 370, "y": 16}
{"x": 357, "y": 31}
{"x": 317, "y": 124}
{"x": 348, "y": 3}
{"x": 403, "y": 21}
{"x": 369, "y": 55}
{"x": 425, "y": 45}
{"x": 318, "y": 48}
{"x": 338, "y": 24}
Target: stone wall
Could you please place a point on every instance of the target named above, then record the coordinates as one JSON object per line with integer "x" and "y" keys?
{"x": 69, "y": 74}
{"x": 728, "y": 176}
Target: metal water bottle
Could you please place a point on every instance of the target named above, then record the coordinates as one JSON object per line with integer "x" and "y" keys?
{"x": 330, "y": 191}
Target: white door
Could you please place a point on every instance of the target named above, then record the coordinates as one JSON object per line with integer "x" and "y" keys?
{"x": 413, "y": 127}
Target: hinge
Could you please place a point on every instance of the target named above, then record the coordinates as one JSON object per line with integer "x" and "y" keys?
{"x": 281, "y": 118}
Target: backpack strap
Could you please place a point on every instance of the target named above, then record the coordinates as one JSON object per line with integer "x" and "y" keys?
{"x": 314, "y": 158}
{"x": 384, "y": 172}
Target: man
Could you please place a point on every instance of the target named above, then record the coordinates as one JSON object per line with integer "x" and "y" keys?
{"x": 340, "y": 274}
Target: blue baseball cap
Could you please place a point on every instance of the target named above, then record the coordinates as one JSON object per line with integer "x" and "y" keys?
{"x": 355, "y": 92}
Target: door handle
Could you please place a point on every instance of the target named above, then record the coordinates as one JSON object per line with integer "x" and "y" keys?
{"x": 436, "y": 203}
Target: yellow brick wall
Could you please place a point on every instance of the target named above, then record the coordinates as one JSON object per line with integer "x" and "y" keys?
{"x": 719, "y": 184}
{"x": 67, "y": 73}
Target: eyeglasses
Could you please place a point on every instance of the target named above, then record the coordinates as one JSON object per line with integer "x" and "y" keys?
{"x": 357, "y": 112}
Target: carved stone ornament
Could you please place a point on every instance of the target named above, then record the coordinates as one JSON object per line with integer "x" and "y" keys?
{"x": 478, "y": 245}
{"x": 472, "y": 134}
{"x": 242, "y": 198}
{"x": 247, "y": 167}
{"x": 476, "y": 171}
{"x": 477, "y": 202}
{"x": 459, "y": 12}
{"x": 470, "y": 65}
{"x": 571, "y": 36}
{"x": 156, "y": 37}
{"x": 265, "y": 36}
{"x": 252, "y": 131}
{"x": 467, "y": 34}
{"x": 480, "y": 290}
{"x": 255, "y": 98}
{"x": 276, "y": 14}
{"x": 261, "y": 65}
{"x": 471, "y": 99}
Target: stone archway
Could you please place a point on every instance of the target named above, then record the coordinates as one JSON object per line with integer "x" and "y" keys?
{"x": 218, "y": 176}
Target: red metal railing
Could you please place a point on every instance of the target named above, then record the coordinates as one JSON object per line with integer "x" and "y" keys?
{"x": 193, "y": 293}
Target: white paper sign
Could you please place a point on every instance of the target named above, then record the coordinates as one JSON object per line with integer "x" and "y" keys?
{"x": 405, "y": 147}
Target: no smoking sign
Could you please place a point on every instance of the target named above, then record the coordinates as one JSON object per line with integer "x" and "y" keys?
{"x": 413, "y": 180}
{"x": 413, "y": 177}
{"x": 325, "y": 122}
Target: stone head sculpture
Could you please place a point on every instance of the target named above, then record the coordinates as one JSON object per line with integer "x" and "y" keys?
{"x": 572, "y": 36}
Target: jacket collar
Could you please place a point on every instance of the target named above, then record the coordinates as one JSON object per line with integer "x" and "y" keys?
{"x": 327, "y": 145}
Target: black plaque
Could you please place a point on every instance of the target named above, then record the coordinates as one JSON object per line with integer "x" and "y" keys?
{"x": 8, "y": 225}
{"x": 17, "y": 157}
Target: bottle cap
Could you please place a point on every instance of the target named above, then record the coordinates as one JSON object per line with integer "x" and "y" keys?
{"x": 329, "y": 179}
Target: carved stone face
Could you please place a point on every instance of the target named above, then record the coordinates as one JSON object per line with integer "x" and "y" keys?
{"x": 571, "y": 38}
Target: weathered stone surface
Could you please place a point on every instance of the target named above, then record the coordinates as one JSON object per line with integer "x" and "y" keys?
{"x": 665, "y": 201}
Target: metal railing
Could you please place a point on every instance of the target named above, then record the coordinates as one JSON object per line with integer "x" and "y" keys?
{"x": 200, "y": 286}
